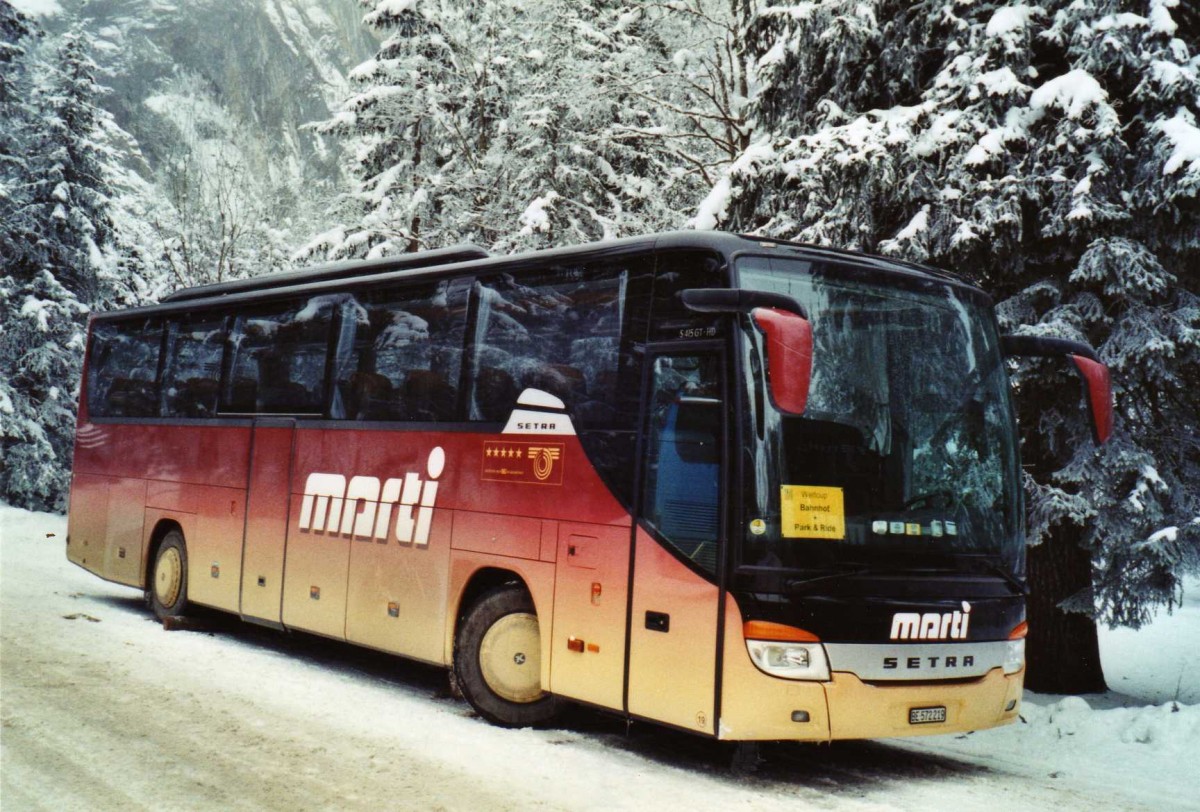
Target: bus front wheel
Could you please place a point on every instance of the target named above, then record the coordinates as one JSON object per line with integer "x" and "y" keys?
{"x": 497, "y": 661}
{"x": 168, "y": 582}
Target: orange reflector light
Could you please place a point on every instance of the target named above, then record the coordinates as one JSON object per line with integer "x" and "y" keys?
{"x": 766, "y": 630}
{"x": 1019, "y": 631}
{"x": 594, "y": 648}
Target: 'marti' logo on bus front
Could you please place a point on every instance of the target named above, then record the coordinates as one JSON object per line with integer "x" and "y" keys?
{"x": 931, "y": 625}
{"x": 364, "y": 508}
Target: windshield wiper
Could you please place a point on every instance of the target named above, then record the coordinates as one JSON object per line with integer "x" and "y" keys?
{"x": 963, "y": 565}
{"x": 984, "y": 566}
{"x": 856, "y": 570}
{"x": 801, "y": 584}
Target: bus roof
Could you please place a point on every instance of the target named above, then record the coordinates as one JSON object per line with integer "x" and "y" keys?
{"x": 473, "y": 259}
{"x": 335, "y": 270}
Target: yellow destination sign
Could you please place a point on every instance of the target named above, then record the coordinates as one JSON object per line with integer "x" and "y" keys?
{"x": 812, "y": 512}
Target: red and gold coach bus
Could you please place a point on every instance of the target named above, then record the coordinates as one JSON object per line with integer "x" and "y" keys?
{"x": 750, "y": 489}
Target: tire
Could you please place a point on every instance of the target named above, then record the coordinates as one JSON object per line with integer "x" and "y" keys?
{"x": 497, "y": 661}
{"x": 167, "y": 589}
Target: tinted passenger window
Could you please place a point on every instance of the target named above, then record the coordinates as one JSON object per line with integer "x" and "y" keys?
{"x": 400, "y": 353}
{"x": 123, "y": 368}
{"x": 192, "y": 371}
{"x": 558, "y": 331}
{"x": 278, "y": 354}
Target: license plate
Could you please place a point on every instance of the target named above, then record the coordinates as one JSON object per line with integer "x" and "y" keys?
{"x": 925, "y": 716}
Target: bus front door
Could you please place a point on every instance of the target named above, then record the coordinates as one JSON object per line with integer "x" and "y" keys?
{"x": 267, "y": 509}
{"x": 674, "y": 621}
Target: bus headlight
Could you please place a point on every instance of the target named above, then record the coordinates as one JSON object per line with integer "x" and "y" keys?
{"x": 1014, "y": 656}
{"x": 789, "y": 660}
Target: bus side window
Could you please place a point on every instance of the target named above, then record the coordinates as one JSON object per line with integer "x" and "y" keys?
{"x": 556, "y": 329}
{"x": 399, "y": 354}
{"x": 123, "y": 370}
{"x": 278, "y": 357}
{"x": 192, "y": 368}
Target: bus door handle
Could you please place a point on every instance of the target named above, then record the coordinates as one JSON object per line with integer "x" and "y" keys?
{"x": 658, "y": 621}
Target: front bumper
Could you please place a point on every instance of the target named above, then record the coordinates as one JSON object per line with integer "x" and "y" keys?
{"x": 758, "y": 707}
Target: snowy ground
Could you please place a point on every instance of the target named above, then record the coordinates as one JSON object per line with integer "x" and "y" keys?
{"x": 102, "y": 709}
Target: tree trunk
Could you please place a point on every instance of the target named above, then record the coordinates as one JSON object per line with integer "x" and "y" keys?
{"x": 1062, "y": 650}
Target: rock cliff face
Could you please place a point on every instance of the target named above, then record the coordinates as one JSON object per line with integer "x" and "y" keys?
{"x": 250, "y": 72}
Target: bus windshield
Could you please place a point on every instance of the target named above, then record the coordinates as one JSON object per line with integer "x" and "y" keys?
{"x": 905, "y": 457}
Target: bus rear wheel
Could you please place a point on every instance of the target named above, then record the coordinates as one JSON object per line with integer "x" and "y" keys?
{"x": 168, "y": 581}
{"x": 497, "y": 661}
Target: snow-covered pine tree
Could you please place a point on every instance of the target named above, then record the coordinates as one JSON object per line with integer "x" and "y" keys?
{"x": 523, "y": 125}
{"x": 1050, "y": 152}
{"x": 597, "y": 131}
{"x": 558, "y": 180}
{"x": 56, "y": 241}
{"x": 420, "y": 125}
{"x": 72, "y": 185}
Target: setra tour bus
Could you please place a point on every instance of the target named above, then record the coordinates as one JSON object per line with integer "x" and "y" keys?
{"x": 746, "y": 488}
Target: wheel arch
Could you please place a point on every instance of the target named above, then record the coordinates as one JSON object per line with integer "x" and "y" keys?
{"x": 481, "y": 582}
{"x": 161, "y": 529}
{"x": 474, "y": 575}
{"x": 489, "y": 594}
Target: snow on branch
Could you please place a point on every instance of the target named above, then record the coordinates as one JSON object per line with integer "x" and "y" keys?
{"x": 1074, "y": 93}
{"x": 1184, "y": 136}
{"x": 715, "y": 207}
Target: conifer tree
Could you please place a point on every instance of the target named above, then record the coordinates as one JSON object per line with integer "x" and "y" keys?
{"x": 525, "y": 125}
{"x": 420, "y": 125}
{"x": 1052, "y": 154}
{"x": 592, "y": 131}
{"x": 55, "y": 244}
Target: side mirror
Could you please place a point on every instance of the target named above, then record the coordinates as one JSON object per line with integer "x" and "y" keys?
{"x": 789, "y": 356}
{"x": 1100, "y": 399}
{"x": 1095, "y": 374}
{"x": 782, "y": 320}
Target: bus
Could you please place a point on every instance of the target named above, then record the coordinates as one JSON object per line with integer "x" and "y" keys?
{"x": 746, "y": 488}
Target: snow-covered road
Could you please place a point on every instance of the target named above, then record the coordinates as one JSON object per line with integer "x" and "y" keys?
{"x": 100, "y": 708}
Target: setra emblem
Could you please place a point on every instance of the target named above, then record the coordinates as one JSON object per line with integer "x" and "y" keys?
{"x": 543, "y": 460}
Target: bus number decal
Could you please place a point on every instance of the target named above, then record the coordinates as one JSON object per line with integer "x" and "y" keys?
{"x": 364, "y": 508}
